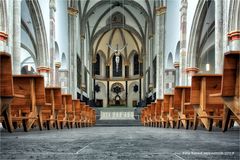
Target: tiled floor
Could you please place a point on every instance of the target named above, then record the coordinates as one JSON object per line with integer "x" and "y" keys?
{"x": 121, "y": 143}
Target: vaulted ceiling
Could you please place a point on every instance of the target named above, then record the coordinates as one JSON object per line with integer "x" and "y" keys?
{"x": 138, "y": 21}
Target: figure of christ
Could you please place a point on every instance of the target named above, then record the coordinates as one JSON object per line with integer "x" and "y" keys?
{"x": 117, "y": 54}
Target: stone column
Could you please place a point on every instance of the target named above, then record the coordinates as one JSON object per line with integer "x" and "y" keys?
{"x": 234, "y": 40}
{"x": 44, "y": 71}
{"x": 183, "y": 32}
{"x": 176, "y": 66}
{"x": 190, "y": 72}
{"x": 219, "y": 36}
{"x": 57, "y": 66}
{"x": 3, "y": 41}
{"x": 83, "y": 84}
{"x": 72, "y": 18}
{"x": 160, "y": 49}
{"x": 16, "y": 37}
{"x": 151, "y": 61}
{"x": 52, "y": 10}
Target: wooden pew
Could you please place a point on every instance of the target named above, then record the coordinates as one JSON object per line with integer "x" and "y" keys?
{"x": 53, "y": 104}
{"x": 77, "y": 109}
{"x": 182, "y": 106}
{"x": 6, "y": 90}
{"x": 165, "y": 112}
{"x": 94, "y": 117}
{"x": 173, "y": 114}
{"x": 83, "y": 114}
{"x": 143, "y": 116}
{"x": 158, "y": 109}
{"x": 26, "y": 109}
{"x": 152, "y": 114}
{"x": 207, "y": 108}
{"x": 65, "y": 115}
{"x": 230, "y": 90}
{"x": 148, "y": 115}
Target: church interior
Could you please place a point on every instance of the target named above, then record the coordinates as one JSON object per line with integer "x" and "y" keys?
{"x": 120, "y": 79}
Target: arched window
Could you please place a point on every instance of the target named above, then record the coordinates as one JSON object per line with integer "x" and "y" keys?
{"x": 97, "y": 65}
{"x": 135, "y": 65}
{"x": 117, "y": 66}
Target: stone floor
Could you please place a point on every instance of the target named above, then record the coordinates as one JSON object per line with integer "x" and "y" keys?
{"x": 121, "y": 143}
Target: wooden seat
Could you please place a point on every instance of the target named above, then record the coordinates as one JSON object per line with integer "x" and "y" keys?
{"x": 6, "y": 89}
{"x": 182, "y": 106}
{"x": 77, "y": 112}
{"x": 207, "y": 108}
{"x": 26, "y": 109}
{"x": 65, "y": 115}
{"x": 158, "y": 109}
{"x": 172, "y": 113}
{"x": 230, "y": 90}
{"x": 48, "y": 112}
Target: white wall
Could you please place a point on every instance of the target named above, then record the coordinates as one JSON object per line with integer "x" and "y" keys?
{"x": 172, "y": 27}
{"x": 192, "y": 4}
{"x": 61, "y": 26}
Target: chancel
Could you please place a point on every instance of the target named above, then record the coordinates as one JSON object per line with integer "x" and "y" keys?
{"x": 120, "y": 79}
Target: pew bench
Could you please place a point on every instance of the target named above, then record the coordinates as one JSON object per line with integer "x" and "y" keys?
{"x": 208, "y": 108}
{"x": 182, "y": 106}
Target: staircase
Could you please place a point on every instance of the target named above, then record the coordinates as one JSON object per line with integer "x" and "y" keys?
{"x": 117, "y": 116}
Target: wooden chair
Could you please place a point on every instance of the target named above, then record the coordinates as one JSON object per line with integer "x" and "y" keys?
{"x": 173, "y": 114}
{"x": 207, "y": 107}
{"x": 182, "y": 106}
{"x": 26, "y": 109}
{"x": 53, "y": 104}
{"x": 230, "y": 90}
{"x": 6, "y": 89}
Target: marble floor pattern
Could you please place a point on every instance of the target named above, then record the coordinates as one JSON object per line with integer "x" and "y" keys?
{"x": 110, "y": 143}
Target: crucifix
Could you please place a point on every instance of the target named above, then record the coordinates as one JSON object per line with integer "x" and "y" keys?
{"x": 117, "y": 53}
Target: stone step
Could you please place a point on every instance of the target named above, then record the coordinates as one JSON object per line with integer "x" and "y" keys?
{"x": 112, "y": 123}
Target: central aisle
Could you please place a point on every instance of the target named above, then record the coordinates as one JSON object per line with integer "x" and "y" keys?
{"x": 120, "y": 143}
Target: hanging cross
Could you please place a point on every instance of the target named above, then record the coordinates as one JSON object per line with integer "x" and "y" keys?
{"x": 117, "y": 54}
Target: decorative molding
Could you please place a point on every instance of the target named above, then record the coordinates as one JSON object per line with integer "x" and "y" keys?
{"x": 192, "y": 70}
{"x": 176, "y": 64}
{"x": 58, "y": 64}
{"x": 234, "y": 35}
{"x": 161, "y": 10}
{"x": 3, "y": 36}
{"x": 82, "y": 36}
{"x": 72, "y": 11}
{"x": 43, "y": 69}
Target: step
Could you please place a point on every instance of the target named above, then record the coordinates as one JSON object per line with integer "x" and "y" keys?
{"x": 112, "y": 123}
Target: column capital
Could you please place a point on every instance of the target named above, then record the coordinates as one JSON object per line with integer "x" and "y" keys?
{"x": 233, "y": 35}
{"x": 160, "y": 10}
{"x": 83, "y": 87}
{"x": 192, "y": 70}
{"x": 176, "y": 64}
{"x": 58, "y": 64}
{"x": 43, "y": 69}
{"x": 82, "y": 36}
{"x": 3, "y": 36}
{"x": 73, "y": 11}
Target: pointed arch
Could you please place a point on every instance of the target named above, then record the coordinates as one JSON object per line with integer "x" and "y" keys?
{"x": 170, "y": 61}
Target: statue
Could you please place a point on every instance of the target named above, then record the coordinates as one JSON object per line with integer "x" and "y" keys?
{"x": 117, "y": 54}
